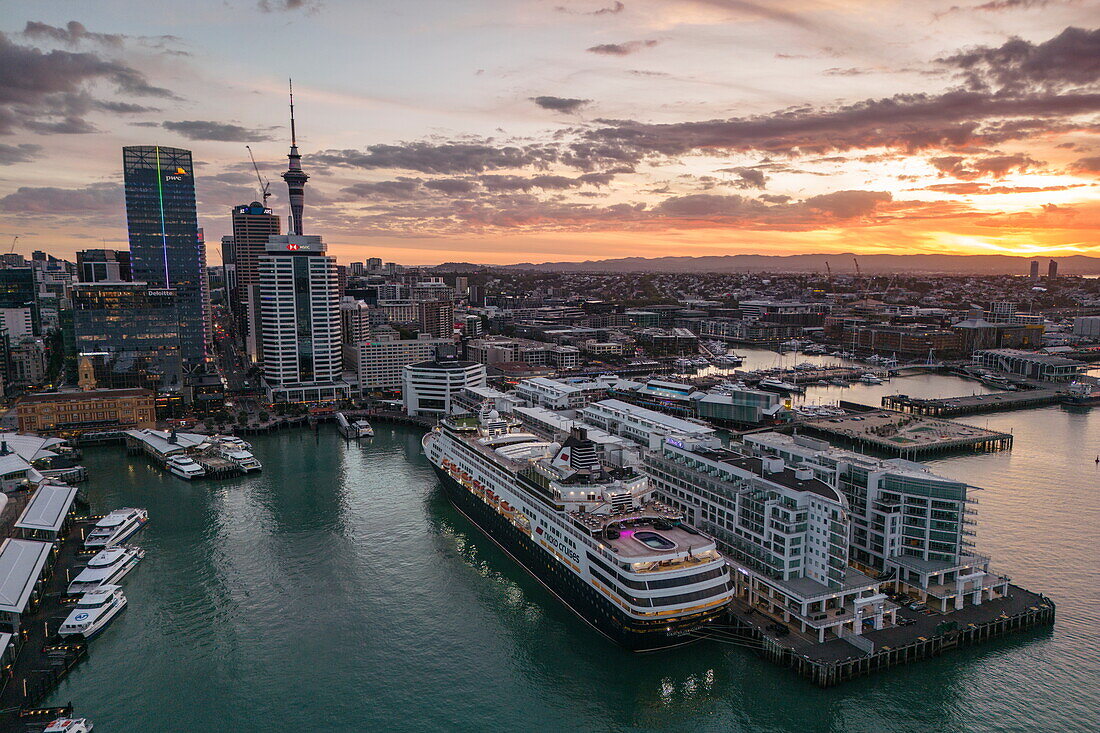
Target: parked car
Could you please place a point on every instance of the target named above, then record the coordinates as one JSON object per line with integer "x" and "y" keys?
{"x": 917, "y": 606}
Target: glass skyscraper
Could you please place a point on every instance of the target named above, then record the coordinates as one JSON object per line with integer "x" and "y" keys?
{"x": 166, "y": 245}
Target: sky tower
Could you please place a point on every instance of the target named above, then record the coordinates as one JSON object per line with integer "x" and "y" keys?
{"x": 295, "y": 177}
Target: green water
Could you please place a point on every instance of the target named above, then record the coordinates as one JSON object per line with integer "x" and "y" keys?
{"x": 339, "y": 591}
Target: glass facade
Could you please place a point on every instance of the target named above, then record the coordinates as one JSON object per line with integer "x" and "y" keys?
{"x": 165, "y": 242}
{"x": 133, "y": 329}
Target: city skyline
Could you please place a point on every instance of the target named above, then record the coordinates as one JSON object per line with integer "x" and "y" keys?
{"x": 571, "y": 130}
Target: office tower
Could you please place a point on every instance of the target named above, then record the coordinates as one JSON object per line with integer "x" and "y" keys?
{"x": 253, "y": 225}
{"x": 1035, "y": 269}
{"x": 462, "y": 284}
{"x": 98, "y": 265}
{"x": 374, "y": 265}
{"x": 130, "y": 332}
{"x": 166, "y": 246}
{"x": 1052, "y": 269}
{"x": 300, "y": 321}
{"x": 437, "y": 318}
{"x": 342, "y": 278}
{"x": 229, "y": 267}
{"x": 356, "y": 269}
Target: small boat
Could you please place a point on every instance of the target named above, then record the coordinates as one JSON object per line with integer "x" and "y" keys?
{"x": 1080, "y": 394}
{"x": 116, "y": 528}
{"x": 93, "y": 612}
{"x": 839, "y": 382}
{"x": 729, "y": 360}
{"x": 778, "y": 385}
{"x": 185, "y": 467}
{"x": 68, "y": 725}
{"x": 107, "y": 567}
{"x": 871, "y": 379}
{"x": 353, "y": 429}
{"x": 233, "y": 440}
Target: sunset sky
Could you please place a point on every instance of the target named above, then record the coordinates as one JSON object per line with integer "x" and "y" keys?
{"x": 502, "y": 131}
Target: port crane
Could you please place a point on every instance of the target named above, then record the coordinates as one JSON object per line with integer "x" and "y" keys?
{"x": 265, "y": 186}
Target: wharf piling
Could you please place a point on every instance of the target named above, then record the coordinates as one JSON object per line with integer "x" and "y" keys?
{"x": 972, "y": 404}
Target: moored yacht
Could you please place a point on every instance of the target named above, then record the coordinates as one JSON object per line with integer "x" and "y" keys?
{"x": 185, "y": 467}
{"x": 243, "y": 458}
{"x": 107, "y": 567}
{"x": 625, "y": 563}
{"x": 778, "y": 385}
{"x": 116, "y": 527}
{"x": 93, "y": 612}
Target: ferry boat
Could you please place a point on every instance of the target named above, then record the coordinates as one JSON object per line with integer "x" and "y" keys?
{"x": 353, "y": 429}
{"x": 243, "y": 458}
{"x": 592, "y": 534}
{"x": 185, "y": 467}
{"x": 116, "y": 528}
{"x": 1080, "y": 394}
{"x": 107, "y": 567}
{"x": 778, "y": 385}
{"x": 93, "y": 612}
{"x": 234, "y": 441}
{"x": 69, "y": 725}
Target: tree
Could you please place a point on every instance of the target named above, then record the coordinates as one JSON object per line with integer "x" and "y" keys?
{"x": 264, "y": 417}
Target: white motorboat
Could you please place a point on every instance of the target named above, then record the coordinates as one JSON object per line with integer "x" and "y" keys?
{"x": 871, "y": 379}
{"x": 107, "y": 567}
{"x": 69, "y": 725}
{"x": 185, "y": 467}
{"x": 778, "y": 385}
{"x": 93, "y": 612}
{"x": 116, "y": 527}
{"x": 234, "y": 441}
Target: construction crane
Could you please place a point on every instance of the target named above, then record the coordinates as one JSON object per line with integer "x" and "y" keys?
{"x": 13, "y": 241}
{"x": 265, "y": 186}
{"x": 858, "y": 273}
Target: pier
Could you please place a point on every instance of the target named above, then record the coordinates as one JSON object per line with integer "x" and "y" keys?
{"x": 905, "y": 435}
{"x": 972, "y": 404}
{"x": 929, "y": 635}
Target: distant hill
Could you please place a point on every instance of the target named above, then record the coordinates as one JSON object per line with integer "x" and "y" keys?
{"x": 809, "y": 263}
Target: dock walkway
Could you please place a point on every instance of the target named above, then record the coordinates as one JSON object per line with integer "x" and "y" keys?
{"x": 971, "y": 404}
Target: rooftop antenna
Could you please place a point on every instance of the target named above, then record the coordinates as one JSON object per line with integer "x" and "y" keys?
{"x": 293, "y": 137}
{"x": 265, "y": 185}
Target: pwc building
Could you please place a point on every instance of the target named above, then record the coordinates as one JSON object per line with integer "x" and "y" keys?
{"x": 166, "y": 246}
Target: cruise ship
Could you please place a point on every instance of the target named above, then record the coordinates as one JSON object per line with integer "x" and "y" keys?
{"x": 592, "y": 534}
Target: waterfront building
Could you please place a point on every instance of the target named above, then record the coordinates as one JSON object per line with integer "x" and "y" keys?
{"x": 647, "y": 428}
{"x": 431, "y": 387}
{"x": 1045, "y": 367}
{"x": 437, "y": 318}
{"x": 72, "y": 413}
{"x": 378, "y": 363}
{"x": 166, "y": 245}
{"x": 300, "y": 321}
{"x": 785, "y": 532}
{"x": 909, "y": 526}
{"x": 98, "y": 265}
{"x": 747, "y": 332}
{"x": 130, "y": 331}
{"x": 734, "y": 406}
{"x": 559, "y": 394}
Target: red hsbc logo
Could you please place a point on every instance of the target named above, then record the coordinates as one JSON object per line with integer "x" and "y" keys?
{"x": 294, "y": 246}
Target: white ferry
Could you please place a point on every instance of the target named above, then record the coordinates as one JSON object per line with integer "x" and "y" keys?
{"x": 185, "y": 467}
{"x": 592, "y": 534}
{"x": 93, "y": 612}
{"x": 243, "y": 458}
{"x": 116, "y": 527}
{"x": 107, "y": 567}
{"x": 69, "y": 725}
{"x": 234, "y": 441}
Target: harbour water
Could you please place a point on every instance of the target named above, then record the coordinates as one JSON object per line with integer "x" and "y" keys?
{"x": 338, "y": 590}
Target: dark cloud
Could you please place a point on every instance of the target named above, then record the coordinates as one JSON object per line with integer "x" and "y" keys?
{"x": 216, "y": 131}
{"x": 21, "y": 153}
{"x": 747, "y": 177}
{"x": 47, "y": 92}
{"x": 125, "y": 108}
{"x": 95, "y": 198}
{"x": 1070, "y": 59}
{"x": 560, "y": 104}
{"x": 615, "y": 7}
{"x": 848, "y": 204}
{"x": 970, "y": 188}
{"x": 852, "y": 71}
{"x": 997, "y": 166}
{"x": 1087, "y": 165}
{"x": 440, "y": 158}
{"x": 995, "y": 6}
{"x": 402, "y": 189}
{"x": 622, "y": 49}
{"x": 275, "y": 6}
{"x": 452, "y": 186}
{"x": 73, "y": 33}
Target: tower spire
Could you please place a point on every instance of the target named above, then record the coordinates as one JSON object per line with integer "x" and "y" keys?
{"x": 295, "y": 177}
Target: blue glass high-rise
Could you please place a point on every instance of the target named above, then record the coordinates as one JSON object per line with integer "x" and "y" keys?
{"x": 166, "y": 247}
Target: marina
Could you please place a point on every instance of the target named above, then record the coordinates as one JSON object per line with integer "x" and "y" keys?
{"x": 484, "y": 608}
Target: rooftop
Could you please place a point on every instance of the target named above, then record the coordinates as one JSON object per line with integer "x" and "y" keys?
{"x": 48, "y": 508}
{"x": 95, "y": 394}
{"x": 21, "y": 563}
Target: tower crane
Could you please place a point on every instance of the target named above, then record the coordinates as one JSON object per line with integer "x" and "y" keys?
{"x": 13, "y": 241}
{"x": 265, "y": 186}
